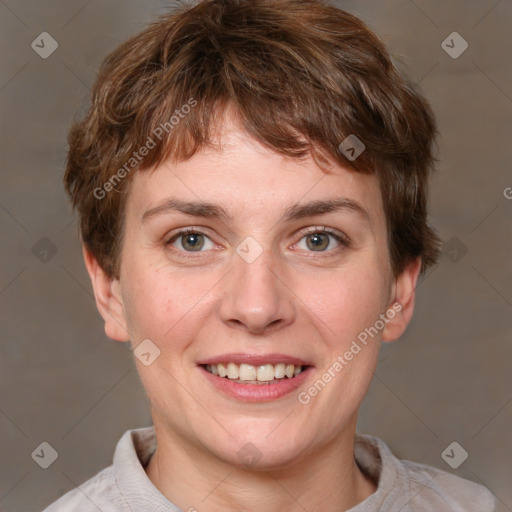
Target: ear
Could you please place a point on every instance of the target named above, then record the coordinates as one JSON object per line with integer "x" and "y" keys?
{"x": 400, "y": 310}
{"x": 108, "y": 299}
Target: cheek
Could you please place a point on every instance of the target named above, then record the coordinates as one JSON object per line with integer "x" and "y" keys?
{"x": 346, "y": 302}
{"x": 154, "y": 304}
{"x": 167, "y": 307}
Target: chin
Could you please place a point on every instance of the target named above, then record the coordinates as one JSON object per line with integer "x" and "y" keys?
{"x": 258, "y": 452}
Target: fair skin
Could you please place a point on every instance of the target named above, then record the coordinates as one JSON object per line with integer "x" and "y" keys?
{"x": 294, "y": 299}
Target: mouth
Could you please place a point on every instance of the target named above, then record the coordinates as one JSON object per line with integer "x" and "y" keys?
{"x": 256, "y": 378}
{"x": 263, "y": 374}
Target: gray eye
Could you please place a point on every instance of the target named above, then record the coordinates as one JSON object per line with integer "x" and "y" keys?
{"x": 318, "y": 241}
{"x": 191, "y": 241}
{"x": 194, "y": 241}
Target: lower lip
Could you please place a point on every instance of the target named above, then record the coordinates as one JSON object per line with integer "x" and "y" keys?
{"x": 257, "y": 392}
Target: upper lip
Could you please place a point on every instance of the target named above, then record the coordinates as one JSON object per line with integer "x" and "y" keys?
{"x": 254, "y": 359}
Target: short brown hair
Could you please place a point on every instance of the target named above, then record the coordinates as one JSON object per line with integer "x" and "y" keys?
{"x": 300, "y": 74}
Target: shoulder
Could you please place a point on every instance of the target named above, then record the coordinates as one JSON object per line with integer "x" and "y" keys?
{"x": 98, "y": 493}
{"x": 115, "y": 487}
{"x": 453, "y": 492}
{"x": 417, "y": 487}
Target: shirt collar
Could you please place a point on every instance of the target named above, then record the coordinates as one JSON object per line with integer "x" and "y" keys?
{"x": 133, "y": 452}
{"x": 136, "y": 446}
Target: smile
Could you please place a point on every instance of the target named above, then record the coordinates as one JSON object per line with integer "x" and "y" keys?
{"x": 255, "y": 374}
{"x": 256, "y": 380}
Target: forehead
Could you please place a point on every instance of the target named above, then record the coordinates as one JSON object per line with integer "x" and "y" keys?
{"x": 248, "y": 180}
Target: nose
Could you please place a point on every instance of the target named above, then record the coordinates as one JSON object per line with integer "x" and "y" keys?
{"x": 255, "y": 296}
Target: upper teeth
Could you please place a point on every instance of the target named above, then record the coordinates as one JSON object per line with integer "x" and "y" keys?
{"x": 248, "y": 372}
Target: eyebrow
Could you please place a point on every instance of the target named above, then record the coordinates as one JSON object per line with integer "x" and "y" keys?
{"x": 294, "y": 212}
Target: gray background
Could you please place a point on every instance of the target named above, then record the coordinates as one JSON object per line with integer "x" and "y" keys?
{"x": 64, "y": 382}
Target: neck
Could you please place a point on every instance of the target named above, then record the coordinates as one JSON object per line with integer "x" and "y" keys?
{"x": 328, "y": 479}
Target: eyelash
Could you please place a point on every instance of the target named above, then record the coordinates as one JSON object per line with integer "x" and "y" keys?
{"x": 342, "y": 240}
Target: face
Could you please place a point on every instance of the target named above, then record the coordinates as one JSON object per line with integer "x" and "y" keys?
{"x": 239, "y": 256}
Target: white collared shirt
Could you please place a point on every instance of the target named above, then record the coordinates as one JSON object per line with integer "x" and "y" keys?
{"x": 402, "y": 486}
